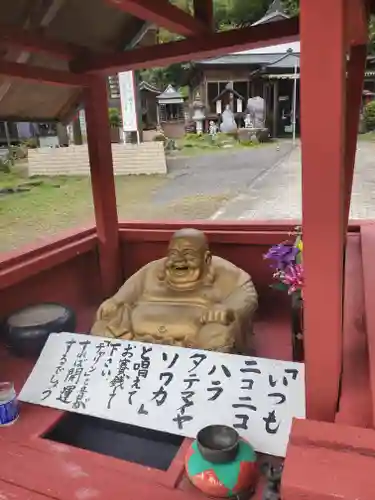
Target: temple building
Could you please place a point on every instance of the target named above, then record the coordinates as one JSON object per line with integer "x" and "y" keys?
{"x": 270, "y": 72}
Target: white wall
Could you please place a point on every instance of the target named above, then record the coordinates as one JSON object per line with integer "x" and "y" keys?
{"x": 144, "y": 158}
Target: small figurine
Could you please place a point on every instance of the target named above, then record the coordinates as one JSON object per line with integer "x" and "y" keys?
{"x": 248, "y": 121}
{"x": 212, "y": 129}
{"x": 272, "y": 489}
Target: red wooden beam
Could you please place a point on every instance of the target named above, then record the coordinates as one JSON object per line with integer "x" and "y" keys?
{"x": 163, "y": 14}
{"x": 204, "y": 11}
{"x": 103, "y": 184}
{"x": 323, "y": 172}
{"x": 36, "y": 42}
{"x": 198, "y": 48}
{"x": 358, "y": 13}
{"x": 43, "y": 75}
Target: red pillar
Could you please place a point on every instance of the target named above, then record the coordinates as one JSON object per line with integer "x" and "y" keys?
{"x": 103, "y": 184}
{"x": 323, "y": 86}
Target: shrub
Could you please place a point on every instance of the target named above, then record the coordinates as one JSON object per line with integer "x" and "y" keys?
{"x": 5, "y": 166}
{"x": 18, "y": 152}
{"x": 31, "y": 143}
{"x": 160, "y": 138}
{"x": 114, "y": 117}
{"x": 233, "y": 134}
{"x": 369, "y": 115}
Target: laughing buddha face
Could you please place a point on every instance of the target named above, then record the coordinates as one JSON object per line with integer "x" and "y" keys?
{"x": 188, "y": 258}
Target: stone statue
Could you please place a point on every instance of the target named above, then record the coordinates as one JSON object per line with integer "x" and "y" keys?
{"x": 189, "y": 298}
{"x": 248, "y": 121}
{"x": 256, "y": 109}
{"x": 228, "y": 124}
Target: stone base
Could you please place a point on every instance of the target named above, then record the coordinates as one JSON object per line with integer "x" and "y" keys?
{"x": 253, "y": 135}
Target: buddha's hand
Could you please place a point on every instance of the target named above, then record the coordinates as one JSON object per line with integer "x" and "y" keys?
{"x": 218, "y": 315}
{"x": 107, "y": 309}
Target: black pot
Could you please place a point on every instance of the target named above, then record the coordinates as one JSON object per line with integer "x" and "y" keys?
{"x": 27, "y": 330}
{"x": 297, "y": 329}
{"x": 218, "y": 443}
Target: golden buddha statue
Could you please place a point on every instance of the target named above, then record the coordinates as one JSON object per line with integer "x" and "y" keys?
{"x": 189, "y": 298}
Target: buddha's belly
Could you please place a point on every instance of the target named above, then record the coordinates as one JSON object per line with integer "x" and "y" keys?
{"x": 166, "y": 323}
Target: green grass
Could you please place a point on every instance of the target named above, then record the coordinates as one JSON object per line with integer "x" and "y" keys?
{"x": 55, "y": 204}
{"x": 193, "y": 144}
{"x": 368, "y": 136}
{"x": 61, "y": 203}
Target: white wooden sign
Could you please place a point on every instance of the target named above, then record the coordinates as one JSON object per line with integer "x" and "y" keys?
{"x": 171, "y": 389}
{"x": 128, "y": 101}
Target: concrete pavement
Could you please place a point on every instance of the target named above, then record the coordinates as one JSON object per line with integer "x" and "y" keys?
{"x": 277, "y": 193}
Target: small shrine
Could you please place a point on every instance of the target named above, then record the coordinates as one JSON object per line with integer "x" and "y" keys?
{"x": 171, "y": 115}
{"x": 229, "y": 99}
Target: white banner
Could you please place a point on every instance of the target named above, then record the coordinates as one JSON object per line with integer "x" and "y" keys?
{"x": 128, "y": 101}
{"x": 170, "y": 389}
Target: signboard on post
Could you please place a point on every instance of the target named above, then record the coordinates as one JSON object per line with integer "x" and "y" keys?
{"x": 128, "y": 101}
{"x": 170, "y": 389}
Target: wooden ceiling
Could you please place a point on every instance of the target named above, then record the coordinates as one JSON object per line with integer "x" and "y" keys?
{"x": 77, "y": 25}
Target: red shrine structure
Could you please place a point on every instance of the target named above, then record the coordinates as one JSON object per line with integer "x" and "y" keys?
{"x": 58, "y": 53}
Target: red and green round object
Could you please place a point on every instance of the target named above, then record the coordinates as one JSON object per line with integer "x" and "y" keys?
{"x": 226, "y": 479}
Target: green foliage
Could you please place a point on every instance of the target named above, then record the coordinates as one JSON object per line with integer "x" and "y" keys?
{"x": 162, "y": 77}
{"x": 369, "y": 115}
{"x": 30, "y": 143}
{"x": 114, "y": 117}
{"x": 291, "y": 6}
{"x": 160, "y": 138}
{"x": 280, "y": 286}
{"x": 228, "y": 15}
{"x": 5, "y": 166}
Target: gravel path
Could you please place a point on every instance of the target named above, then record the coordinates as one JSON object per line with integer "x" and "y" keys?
{"x": 218, "y": 173}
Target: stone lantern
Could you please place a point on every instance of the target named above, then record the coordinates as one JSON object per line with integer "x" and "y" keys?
{"x": 198, "y": 114}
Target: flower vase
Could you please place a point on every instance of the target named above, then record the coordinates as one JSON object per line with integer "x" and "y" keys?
{"x": 230, "y": 479}
{"x": 297, "y": 328}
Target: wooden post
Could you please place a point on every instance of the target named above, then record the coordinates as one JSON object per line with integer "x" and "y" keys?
{"x": 103, "y": 184}
{"x": 323, "y": 177}
{"x": 204, "y": 12}
{"x": 77, "y": 132}
{"x": 275, "y": 107}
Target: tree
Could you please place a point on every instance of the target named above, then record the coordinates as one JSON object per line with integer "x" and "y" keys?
{"x": 291, "y": 6}
{"x": 228, "y": 14}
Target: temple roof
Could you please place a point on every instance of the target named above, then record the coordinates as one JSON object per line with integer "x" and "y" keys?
{"x": 71, "y": 21}
{"x": 147, "y": 86}
{"x": 275, "y": 12}
{"x": 170, "y": 95}
{"x": 240, "y": 59}
{"x": 289, "y": 60}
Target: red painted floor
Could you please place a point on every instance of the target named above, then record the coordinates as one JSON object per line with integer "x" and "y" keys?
{"x": 35, "y": 468}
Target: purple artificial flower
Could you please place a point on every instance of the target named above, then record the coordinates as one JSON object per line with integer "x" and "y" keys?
{"x": 282, "y": 255}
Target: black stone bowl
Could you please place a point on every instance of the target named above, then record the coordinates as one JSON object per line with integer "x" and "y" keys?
{"x": 27, "y": 330}
{"x": 218, "y": 443}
